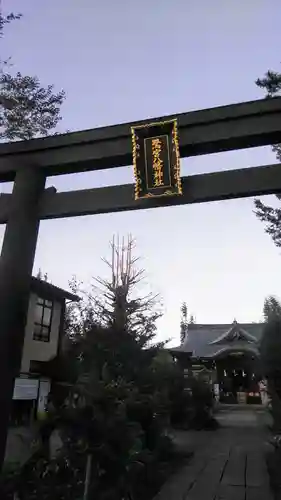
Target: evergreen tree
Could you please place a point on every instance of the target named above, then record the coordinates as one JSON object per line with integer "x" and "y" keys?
{"x": 271, "y": 309}
{"x": 115, "y": 302}
{"x": 121, "y": 384}
{"x": 270, "y": 350}
{"x": 183, "y": 323}
{"x": 271, "y": 216}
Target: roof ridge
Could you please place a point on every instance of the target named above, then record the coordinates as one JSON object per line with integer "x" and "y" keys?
{"x": 221, "y": 325}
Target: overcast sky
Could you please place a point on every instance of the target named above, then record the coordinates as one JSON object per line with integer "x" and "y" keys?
{"x": 128, "y": 60}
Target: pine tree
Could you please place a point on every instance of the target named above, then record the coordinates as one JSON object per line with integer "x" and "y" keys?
{"x": 271, "y": 216}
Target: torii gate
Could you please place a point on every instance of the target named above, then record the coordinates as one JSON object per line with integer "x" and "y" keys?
{"x": 29, "y": 163}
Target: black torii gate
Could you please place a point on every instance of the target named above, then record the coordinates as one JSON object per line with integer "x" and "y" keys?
{"x": 29, "y": 163}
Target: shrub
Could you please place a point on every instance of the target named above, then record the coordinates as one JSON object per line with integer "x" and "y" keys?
{"x": 200, "y": 415}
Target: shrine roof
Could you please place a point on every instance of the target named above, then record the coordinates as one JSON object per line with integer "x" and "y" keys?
{"x": 209, "y": 341}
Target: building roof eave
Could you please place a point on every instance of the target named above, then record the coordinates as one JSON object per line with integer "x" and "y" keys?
{"x": 232, "y": 350}
{"x": 45, "y": 288}
{"x": 180, "y": 350}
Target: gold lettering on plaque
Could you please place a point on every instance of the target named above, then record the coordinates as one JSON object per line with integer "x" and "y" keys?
{"x": 157, "y": 163}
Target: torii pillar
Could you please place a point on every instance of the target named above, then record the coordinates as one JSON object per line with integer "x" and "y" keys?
{"x": 16, "y": 264}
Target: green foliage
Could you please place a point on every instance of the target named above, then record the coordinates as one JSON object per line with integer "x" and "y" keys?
{"x": 116, "y": 411}
{"x": 183, "y": 324}
{"x": 185, "y": 321}
{"x": 119, "y": 398}
{"x": 33, "y": 110}
{"x": 270, "y": 347}
{"x": 4, "y": 20}
{"x": 27, "y": 109}
{"x": 270, "y": 350}
{"x": 271, "y": 309}
{"x": 123, "y": 392}
{"x": 272, "y": 219}
{"x": 271, "y": 84}
{"x": 201, "y": 405}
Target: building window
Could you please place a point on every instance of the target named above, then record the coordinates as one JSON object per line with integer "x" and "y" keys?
{"x": 43, "y": 320}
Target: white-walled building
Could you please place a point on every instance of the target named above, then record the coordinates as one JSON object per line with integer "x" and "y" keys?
{"x": 42, "y": 343}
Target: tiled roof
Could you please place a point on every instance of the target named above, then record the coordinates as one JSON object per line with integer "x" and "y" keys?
{"x": 209, "y": 340}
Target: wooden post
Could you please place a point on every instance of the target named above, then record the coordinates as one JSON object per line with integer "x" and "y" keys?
{"x": 88, "y": 477}
{"x": 16, "y": 265}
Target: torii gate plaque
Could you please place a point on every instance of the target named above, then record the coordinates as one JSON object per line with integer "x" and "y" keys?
{"x": 29, "y": 163}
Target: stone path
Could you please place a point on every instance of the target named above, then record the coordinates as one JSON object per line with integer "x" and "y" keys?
{"x": 228, "y": 464}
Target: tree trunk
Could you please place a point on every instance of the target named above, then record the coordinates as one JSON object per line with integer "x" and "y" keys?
{"x": 88, "y": 477}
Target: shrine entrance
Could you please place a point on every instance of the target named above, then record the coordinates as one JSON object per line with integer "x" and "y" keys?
{"x": 154, "y": 149}
{"x": 238, "y": 378}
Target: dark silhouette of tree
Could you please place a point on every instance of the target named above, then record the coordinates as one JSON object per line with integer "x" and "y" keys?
{"x": 270, "y": 349}
{"x": 114, "y": 302}
{"x": 185, "y": 321}
{"x": 27, "y": 109}
{"x": 271, "y": 308}
{"x": 117, "y": 407}
{"x": 271, "y": 84}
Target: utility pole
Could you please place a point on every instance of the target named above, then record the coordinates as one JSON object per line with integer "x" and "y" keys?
{"x": 16, "y": 263}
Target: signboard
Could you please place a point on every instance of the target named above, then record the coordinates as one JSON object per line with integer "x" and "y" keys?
{"x": 44, "y": 390}
{"x": 156, "y": 159}
{"x": 25, "y": 388}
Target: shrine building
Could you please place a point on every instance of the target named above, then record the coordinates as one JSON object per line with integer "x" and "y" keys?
{"x": 227, "y": 355}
